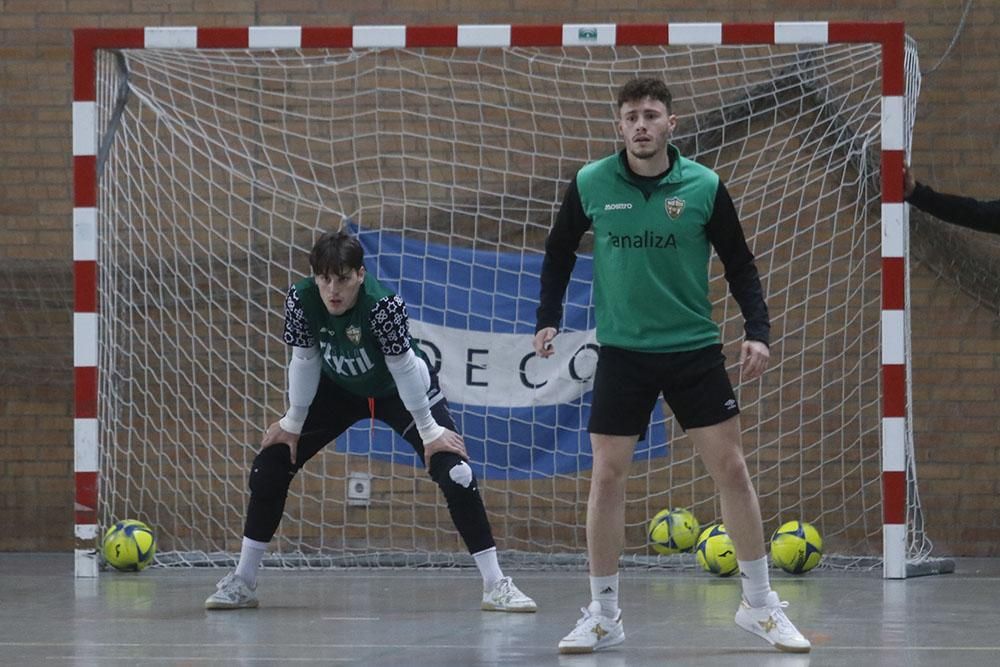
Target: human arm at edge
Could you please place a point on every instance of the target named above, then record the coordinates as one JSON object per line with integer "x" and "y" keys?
{"x": 982, "y": 216}
{"x": 726, "y": 235}
{"x": 560, "y": 257}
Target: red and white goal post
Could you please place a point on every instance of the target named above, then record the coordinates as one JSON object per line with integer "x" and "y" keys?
{"x": 205, "y": 160}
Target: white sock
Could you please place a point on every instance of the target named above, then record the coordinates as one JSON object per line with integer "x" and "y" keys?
{"x": 251, "y": 554}
{"x": 756, "y": 581}
{"x": 489, "y": 567}
{"x": 605, "y": 591}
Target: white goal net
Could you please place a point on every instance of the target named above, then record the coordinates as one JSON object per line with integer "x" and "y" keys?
{"x": 219, "y": 168}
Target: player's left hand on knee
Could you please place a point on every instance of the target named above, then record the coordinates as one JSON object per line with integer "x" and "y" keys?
{"x": 754, "y": 356}
{"x": 449, "y": 441}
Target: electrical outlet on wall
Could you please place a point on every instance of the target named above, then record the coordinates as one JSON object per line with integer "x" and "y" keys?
{"x": 359, "y": 489}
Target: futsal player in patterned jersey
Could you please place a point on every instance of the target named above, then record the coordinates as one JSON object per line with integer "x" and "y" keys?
{"x": 656, "y": 216}
{"x": 353, "y": 359}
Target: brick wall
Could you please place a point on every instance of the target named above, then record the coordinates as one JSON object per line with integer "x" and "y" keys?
{"x": 957, "y": 148}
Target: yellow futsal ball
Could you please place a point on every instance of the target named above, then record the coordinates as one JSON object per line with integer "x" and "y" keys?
{"x": 796, "y": 547}
{"x": 715, "y": 551}
{"x": 673, "y": 531}
{"x": 129, "y": 545}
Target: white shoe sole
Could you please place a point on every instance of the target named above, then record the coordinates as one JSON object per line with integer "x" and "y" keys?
{"x": 754, "y": 630}
{"x": 601, "y": 645}
{"x": 486, "y": 606}
{"x": 252, "y": 604}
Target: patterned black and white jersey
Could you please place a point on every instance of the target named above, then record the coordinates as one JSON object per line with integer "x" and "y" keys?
{"x": 297, "y": 333}
{"x": 388, "y": 319}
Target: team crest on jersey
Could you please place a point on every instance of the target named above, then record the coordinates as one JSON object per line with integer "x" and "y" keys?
{"x": 674, "y": 206}
{"x": 353, "y": 334}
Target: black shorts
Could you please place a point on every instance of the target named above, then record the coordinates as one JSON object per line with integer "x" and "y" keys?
{"x": 334, "y": 410}
{"x": 628, "y": 383}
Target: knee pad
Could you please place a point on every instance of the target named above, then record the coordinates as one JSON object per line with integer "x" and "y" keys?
{"x": 449, "y": 471}
{"x": 271, "y": 472}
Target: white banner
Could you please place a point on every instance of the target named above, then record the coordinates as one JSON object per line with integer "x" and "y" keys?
{"x": 502, "y": 370}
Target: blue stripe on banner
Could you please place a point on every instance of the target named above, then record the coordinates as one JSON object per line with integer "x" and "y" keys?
{"x": 474, "y": 290}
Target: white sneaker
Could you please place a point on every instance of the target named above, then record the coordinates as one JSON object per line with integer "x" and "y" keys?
{"x": 505, "y": 596}
{"x": 770, "y": 623}
{"x": 232, "y": 593}
{"x": 593, "y": 632}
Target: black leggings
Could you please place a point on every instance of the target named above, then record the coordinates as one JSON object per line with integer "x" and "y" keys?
{"x": 332, "y": 412}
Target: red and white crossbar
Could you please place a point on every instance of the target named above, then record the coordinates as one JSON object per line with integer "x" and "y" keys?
{"x": 894, "y": 337}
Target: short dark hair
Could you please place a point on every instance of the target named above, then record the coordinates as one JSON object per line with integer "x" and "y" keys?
{"x": 639, "y": 89}
{"x": 336, "y": 254}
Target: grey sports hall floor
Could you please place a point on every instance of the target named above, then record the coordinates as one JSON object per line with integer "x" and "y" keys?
{"x": 431, "y": 617}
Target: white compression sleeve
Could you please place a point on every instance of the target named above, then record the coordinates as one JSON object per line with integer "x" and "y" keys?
{"x": 413, "y": 379}
{"x": 303, "y": 379}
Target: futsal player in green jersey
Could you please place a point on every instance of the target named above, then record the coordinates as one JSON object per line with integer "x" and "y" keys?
{"x": 655, "y": 217}
{"x": 353, "y": 359}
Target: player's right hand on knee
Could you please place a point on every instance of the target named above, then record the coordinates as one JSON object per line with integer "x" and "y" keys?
{"x": 275, "y": 435}
{"x": 449, "y": 441}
